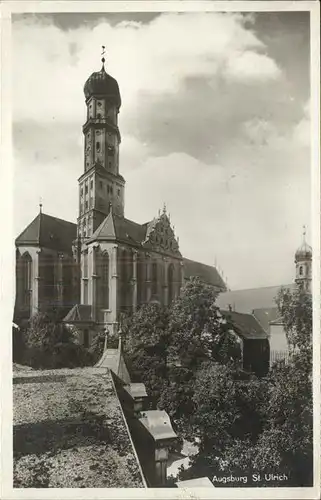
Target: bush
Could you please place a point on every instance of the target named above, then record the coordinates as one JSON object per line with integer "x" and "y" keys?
{"x": 50, "y": 344}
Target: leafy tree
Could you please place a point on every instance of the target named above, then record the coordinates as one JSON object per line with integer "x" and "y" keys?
{"x": 197, "y": 329}
{"x": 50, "y": 344}
{"x": 197, "y": 333}
{"x": 97, "y": 346}
{"x": 282, "y": 443}
{"x": 288, "y": 432}
{"x": 146, "y": 338}
{"x": 166, "y": 346}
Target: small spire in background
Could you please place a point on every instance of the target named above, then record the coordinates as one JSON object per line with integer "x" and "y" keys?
{"x": 164, "y": 208}
{"x": 40, "y": 204}
{"x": 103, "y": 58}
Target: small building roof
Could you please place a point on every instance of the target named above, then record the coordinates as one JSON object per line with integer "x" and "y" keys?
{"x": 136, "y": 390}
{"x": 208, "y": 274}
{"x": 266, "y": 316}
{"x": 200, "y": 482}
{"x": 158, "y": 424}
{"x": 71, "y": 420}
{"x": 246, "y": 325}
{"x": 48, "y": 232}
{"x": 80, "y": 313}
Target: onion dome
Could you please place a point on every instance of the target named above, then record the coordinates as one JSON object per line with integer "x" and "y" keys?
{"x": 304, "y": 252}
{"x": 101, "y": 84}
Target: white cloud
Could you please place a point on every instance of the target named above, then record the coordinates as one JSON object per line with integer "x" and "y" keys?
{"x": 251, "y": 66}
{"x": 206, "y": 126}
{"x": 302, "y": 130}
{"x": 51, "y": 65}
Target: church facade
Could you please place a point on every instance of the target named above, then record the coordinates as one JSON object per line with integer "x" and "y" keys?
{"x": 105, "y": 264}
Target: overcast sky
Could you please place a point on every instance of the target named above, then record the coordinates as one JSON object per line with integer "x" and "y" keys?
{"x": 214, "y": 122}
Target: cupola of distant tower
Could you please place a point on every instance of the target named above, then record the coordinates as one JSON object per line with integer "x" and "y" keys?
{"x": 101, "y": 187}
{"x": 303, "y": 264}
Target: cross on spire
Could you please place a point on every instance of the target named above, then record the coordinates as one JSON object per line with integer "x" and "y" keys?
{"x": 304, "y": 232}
{"x": 40, "y": 204}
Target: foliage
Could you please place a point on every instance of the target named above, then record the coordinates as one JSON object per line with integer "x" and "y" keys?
{"x": 97, "y": 346}
{"x": 145, "y": 340}
{"x": 196, "y": 327}
{"x": 50, "y": 344}
{"x": 18, "y": 345}
{"x": 283, "y": 402}
{"x": 165, "y": 346}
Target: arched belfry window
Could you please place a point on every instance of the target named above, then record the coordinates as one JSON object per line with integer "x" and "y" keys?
{"x": 26, "y": 279}
{"x": 170, "y": 282}
{"x": 301, "y": 270}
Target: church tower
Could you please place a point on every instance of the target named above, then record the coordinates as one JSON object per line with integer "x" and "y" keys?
{"x": 303, "y": 265}
{"x": 101, "y": 187}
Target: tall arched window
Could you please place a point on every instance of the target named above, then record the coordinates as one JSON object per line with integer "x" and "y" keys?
{"x": 26, "y": 279}
{"x": 301, "y": 270}
{"x": 141, "y": 277}
{"x": 126, "y": 274}
{"x": 49, "y": 276}
{"x": 104, "y": 276}
{"x": 170, "y": 282}
{"x": 154, "y": 278}
{"x": 85, "y": 264}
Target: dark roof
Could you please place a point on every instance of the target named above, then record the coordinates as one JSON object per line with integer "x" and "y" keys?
{"x": 80, "y": 313}
{"x": 114, "y": 227}
{"x": 49, "y": 232}
{"x": 208, "y": 274}
{"x": 245, "y": 325}
{"x": 245, "y": 301}
{"x": 265, "y": 316}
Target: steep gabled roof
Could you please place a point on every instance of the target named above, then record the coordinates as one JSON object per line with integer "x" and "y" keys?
{"x": 49, "y": 232}
{"x": 114, "y": 228}
{"x": 246, "y": 325}
{"x": 266, "y": 316}
{"x": 208, "y": 274}
{"x": 80, "y": 313}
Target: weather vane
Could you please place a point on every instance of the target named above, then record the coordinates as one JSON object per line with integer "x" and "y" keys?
{"x": 103, "y": 53}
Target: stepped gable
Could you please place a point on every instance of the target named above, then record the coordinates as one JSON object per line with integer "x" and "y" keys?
{"x": 156, "y": 234}
{"x": 48, "y": 232}
{"x": 160, "y": 236}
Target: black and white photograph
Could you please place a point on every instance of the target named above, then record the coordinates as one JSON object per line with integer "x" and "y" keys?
{"x": 165, "y": 250}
